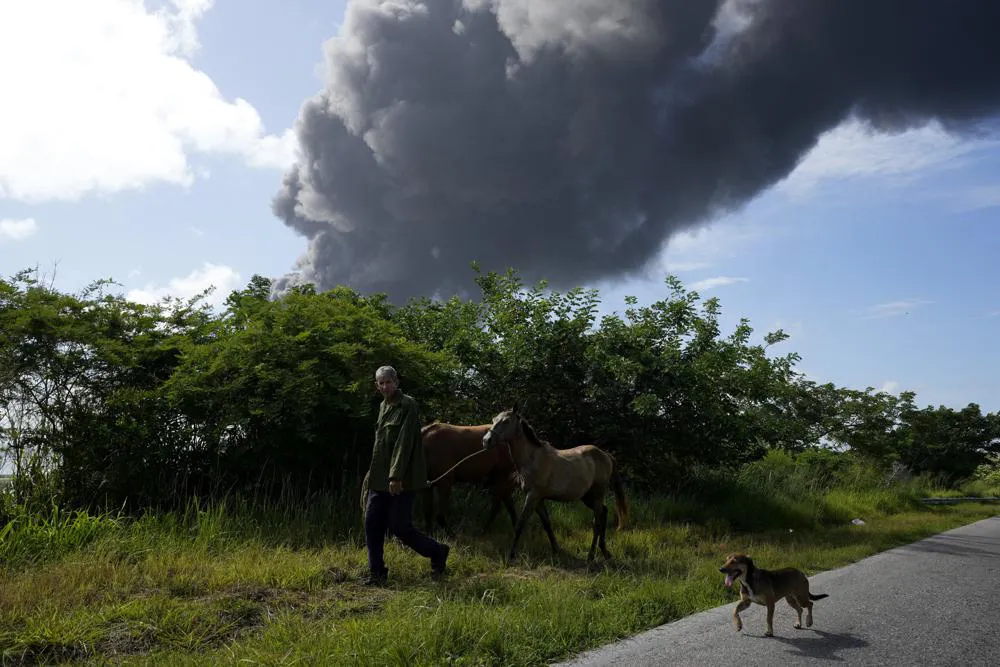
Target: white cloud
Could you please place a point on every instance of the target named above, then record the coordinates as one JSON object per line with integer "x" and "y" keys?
{"x": 683, "y": 267}
{"x": 893, "y": 308}
{"x": 718, "y": 281}
{"x": 184, "y": 37}
{"x": 852, "y": 150}
{"x": 705, "y": 246}
{"x": 889, "y": 386}
{"x": 702, "y": 245}
{"x": 15, "y": 230}
{"x": 102, "y": 98}
{"x": 223, "y": 278}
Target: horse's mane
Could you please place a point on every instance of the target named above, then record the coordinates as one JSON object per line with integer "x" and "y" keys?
{"x": 529, "y": 431}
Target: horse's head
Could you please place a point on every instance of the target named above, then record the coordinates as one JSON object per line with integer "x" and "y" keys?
{"x": 503, "y": 429}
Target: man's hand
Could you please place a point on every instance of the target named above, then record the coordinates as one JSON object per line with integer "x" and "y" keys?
{"x": 395, "y": 487}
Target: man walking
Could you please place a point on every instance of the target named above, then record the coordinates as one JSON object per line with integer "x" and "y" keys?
{"x": 396, "y": 472}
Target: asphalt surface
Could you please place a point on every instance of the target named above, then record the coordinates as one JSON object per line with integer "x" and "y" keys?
{"x": 932, "y": 602}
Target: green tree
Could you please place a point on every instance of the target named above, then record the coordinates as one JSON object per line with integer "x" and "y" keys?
{"x": 284, "y": 390}
{"x": 946, "y": 442}
{"x": 72, "y": 397}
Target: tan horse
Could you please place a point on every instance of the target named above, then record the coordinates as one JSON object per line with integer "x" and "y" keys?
{"x": 445, "y": 445}
{"x": 582, "y": 473}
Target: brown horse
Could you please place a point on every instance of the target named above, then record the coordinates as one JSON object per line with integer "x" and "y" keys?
{"x": 447, "y": 444}
{"x": 444, "y": 446}
{"x": 582, "y": 473}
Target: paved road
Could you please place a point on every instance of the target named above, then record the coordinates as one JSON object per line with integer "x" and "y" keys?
{"x": 933, "y": 602}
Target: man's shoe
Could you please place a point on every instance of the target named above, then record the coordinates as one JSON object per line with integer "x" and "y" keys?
{"x": 438, "y": 565}
{"x": 376, "y": 579}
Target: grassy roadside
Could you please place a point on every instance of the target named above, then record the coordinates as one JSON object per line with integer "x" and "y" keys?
{"x": 282, "y": 586}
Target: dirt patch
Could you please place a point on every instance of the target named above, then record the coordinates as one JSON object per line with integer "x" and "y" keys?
{"x": 43, "y": 653}
{"x": 122, "y": 641}
{"x": 220, "y": 617}
{"x": 333, "y": 575}
{"x": 339, "y": 600}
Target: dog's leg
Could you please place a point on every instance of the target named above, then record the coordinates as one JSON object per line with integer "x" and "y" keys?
{"x": 740, "y": 606}
{"x": 798, "y": 609}
{"x": 807, "y": 602}
{"x": 770, "y": 619}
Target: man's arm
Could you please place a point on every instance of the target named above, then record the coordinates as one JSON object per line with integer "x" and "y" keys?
{"x": 402, "y": 452}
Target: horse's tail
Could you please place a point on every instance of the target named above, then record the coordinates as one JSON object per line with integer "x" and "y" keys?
{"x": 620, "y": 502}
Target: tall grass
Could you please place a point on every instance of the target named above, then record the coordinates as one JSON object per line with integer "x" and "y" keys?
{"x": 985, "y": 483}
{"x": 784, "y": 491}
{"x": 271, "y": 581}
{"x": 35, "y": 538}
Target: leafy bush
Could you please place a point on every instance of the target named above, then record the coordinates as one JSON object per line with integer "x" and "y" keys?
{"x": 107, "y": 403}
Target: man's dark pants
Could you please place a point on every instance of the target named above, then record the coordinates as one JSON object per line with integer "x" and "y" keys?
{"x": 386, "y": 511}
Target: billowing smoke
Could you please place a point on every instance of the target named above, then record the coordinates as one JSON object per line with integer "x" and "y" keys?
{"x": 571, "y": 138}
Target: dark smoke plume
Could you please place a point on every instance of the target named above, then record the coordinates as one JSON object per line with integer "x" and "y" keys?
{"x": 571, "y": 138}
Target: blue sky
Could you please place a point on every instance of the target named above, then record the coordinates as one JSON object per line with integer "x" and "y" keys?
{"x": 147, "y": 147}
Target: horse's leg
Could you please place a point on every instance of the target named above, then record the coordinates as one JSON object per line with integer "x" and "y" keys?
{"x": 444, "y": 498}
{"x": 494, "y": 510}
{"x": 429, "y": 509}
{"x": 543, "y": 514}
{"x": 589, "y": 500}
{"x": 508, "y": 502}
{"x": 502, "y": 496}
{"x": 596, "y": 495}
{"x": 604, "y": 531}
{"x": 530, "y": 502}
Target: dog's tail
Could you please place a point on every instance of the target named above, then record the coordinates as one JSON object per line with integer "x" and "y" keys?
{"x": 818, "y": 597}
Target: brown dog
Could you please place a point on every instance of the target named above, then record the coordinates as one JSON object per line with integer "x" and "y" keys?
{"x": 766, "y": 587}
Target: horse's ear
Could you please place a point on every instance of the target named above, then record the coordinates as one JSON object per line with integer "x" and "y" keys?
{"x": 516, "y": 408}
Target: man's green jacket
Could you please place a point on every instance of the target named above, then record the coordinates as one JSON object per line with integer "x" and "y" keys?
{"x": 398, "y": 452}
